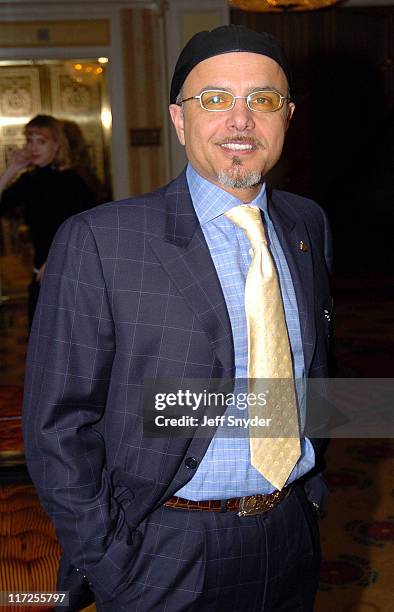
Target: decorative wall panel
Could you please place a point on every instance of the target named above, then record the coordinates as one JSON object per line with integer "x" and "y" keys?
{"x": 20, "y": 99}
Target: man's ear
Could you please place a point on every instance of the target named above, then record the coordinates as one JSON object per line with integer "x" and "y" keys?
{"x": 290, "y": 111}
{"x": 177, "y": 118}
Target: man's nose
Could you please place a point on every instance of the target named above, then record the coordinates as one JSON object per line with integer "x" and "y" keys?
{"x": 240, "y": 117}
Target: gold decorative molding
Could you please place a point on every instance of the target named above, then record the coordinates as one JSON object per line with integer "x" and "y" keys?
{"x": 142, "y": 55}
{"x": 279, "y": 6}
{"x": 67, "y": 33}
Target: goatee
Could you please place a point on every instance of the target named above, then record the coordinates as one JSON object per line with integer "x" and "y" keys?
{"x": 234, "y": 178}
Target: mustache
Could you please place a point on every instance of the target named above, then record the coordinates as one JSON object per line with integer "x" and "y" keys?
{"x": 240, "y": 139}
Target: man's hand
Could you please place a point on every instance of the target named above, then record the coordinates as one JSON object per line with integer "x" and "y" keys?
{"x": 40, "y": 273}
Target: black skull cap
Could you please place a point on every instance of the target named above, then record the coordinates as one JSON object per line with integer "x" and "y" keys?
{"x": 226, "y": 39}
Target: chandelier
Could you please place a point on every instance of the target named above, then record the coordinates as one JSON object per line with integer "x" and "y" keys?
{"x": 85, "y": 72}
{"x": 278, "y": 6}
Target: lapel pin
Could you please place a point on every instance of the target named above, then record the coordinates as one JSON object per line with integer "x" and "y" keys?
{"x": 303, "y": 246}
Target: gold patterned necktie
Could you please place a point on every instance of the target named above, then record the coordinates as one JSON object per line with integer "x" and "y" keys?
{"x": 270, "y": 368}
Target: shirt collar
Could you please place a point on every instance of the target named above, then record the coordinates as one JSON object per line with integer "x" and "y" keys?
{"x": 210, "y": 201}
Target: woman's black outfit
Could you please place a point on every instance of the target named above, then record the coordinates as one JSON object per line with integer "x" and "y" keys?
{"x": 47, "y": 197}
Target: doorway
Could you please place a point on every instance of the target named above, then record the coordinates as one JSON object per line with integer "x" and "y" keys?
{"x": 74, "y": 91}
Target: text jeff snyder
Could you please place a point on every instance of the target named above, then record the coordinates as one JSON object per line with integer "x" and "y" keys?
{"x": 217, "y": 421}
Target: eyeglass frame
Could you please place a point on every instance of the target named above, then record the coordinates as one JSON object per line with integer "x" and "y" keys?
{"x": 221, "y": 110}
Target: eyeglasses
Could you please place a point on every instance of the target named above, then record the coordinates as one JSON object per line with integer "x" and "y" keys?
{"x": 263, "y": 101}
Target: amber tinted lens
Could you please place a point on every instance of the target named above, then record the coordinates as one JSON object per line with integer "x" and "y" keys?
{"x": 265, "y": 101}
{"x": 217, "y": 100}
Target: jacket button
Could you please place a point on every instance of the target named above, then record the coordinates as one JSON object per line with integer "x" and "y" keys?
{"x": 191, "y": 463}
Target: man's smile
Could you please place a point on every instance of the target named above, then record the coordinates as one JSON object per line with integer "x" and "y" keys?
{"x": 240, "y": 145}
{"x": 237, "y": 147}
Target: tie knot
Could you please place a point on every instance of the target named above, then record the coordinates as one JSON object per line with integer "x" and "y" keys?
{"x": 248, "y": 218}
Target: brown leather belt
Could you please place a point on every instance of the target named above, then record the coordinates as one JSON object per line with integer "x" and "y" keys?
{"x": 245, "y": 506}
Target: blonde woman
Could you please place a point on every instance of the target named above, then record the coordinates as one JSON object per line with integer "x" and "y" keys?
{"x": 40, "y": 182}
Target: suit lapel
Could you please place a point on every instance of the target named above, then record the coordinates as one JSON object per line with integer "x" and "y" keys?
{"x": 294, "y": 238}
{"x": 185, "y": 256}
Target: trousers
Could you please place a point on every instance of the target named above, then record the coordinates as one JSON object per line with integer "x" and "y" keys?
{"x": 193, "y": 561}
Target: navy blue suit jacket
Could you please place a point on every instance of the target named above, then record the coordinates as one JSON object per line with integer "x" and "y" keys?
{"x": 131, "y": 292}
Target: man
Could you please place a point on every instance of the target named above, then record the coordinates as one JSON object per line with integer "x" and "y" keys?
{"x": 154, "y": 288}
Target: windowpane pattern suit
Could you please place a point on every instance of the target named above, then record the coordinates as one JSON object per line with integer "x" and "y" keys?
{"x": 130, "y": 292}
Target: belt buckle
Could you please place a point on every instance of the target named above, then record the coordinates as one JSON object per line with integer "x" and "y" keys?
{"x": 259, "y": 504}
{"x": 251, "y": 505}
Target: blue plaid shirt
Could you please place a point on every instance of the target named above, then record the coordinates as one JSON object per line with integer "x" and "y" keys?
{"x": 225, "y": 470}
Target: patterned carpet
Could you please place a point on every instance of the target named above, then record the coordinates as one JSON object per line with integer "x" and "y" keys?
{"x": 358, "y": 528}
{"x": 357, "y": 531}
{"x": 29, "y": 551}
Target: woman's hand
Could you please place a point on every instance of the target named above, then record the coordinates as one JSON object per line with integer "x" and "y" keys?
{"x": 20, "y": 159}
